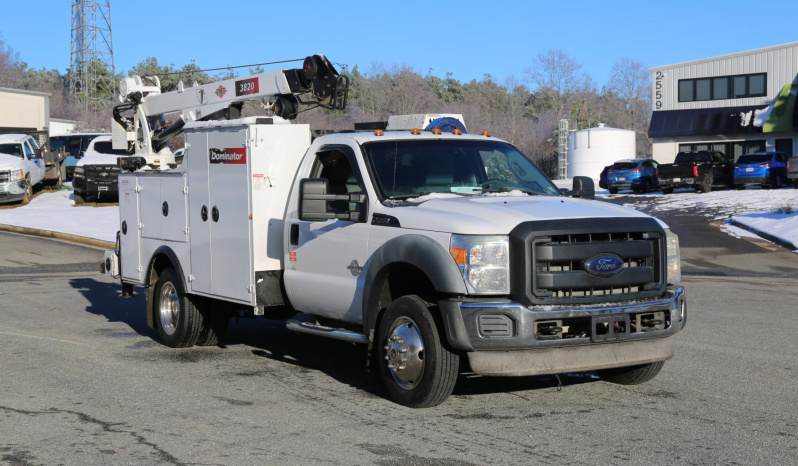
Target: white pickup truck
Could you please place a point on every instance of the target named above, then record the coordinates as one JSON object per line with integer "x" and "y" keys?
{"x": 428, "y": 247}
{"x": 21, "y": 167}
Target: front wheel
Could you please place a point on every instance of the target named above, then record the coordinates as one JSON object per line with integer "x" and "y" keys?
{"x": 646, "y": 187}
{"x": 613, "y": 190}
{"x": 667, "y": 190}
{"x": 633, "y": 375}
{"x": 418, "y": 370}
{"x": 28, "y": 192}
{"x": 178, "y": 320}
{"x": 80, "y": 198}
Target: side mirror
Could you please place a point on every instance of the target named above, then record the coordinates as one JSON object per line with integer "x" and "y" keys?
{"x": 314, "y": 202}
{"x": 583, "y": 187}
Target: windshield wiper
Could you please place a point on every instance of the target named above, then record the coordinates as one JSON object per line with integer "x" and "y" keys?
{"x": 402, "y": 197}
{"x": 505, "y": 189}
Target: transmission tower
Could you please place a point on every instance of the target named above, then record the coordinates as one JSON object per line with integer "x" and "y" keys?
{"x": 92, "y": 76}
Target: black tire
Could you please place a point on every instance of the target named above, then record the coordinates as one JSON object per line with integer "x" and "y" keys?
{"x": 613, "y": 190}
{"x": 667, "y": 190}
{"x": 417, "y": 368}
{"x": 739, "y": 186}
{"x": 58, "y": 182}
{"x": 176, "y": 317}
{"x": 80, "y": 198}
{"x": 706, "y": 184}
{"x": 645, "y": 187}
{"x": 777, "y": 183}
{"x": 795, "y": 184}
{"x": 632, "y": 375}
{"x": 28, "y": 192}
{"x": 215, "y": 320}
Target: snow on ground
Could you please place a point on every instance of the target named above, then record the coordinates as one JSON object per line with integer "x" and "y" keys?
{"x": 755, "y": 208}
{"x": 752, "y": 207}
{"x": 56, "y": 211}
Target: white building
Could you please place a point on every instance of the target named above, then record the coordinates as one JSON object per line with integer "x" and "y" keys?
{"x": 738, "y": 103}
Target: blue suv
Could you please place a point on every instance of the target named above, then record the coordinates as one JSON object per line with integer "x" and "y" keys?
{"x": 767, "y": 169}
{"x": 640, "y": 175}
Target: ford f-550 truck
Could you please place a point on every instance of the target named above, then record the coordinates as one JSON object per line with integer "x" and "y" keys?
{"x": 430, "y": 248}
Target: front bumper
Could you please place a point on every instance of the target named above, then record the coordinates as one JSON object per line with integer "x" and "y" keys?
{"x": 12, "y": 191}
{"x": 502, "y": 338}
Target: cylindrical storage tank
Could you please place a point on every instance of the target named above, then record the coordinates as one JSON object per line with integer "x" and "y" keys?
{"x": 590, "y": 150}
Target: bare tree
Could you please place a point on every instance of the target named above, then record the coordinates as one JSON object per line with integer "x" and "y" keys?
{"x": 12, "y": 70}
{"x": 555, "y": 74}
{"x": 630, "y": 82}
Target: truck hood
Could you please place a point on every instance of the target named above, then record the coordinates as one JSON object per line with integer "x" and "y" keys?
{"x": 10, "y": 162}
{"x": 498, "y": 215}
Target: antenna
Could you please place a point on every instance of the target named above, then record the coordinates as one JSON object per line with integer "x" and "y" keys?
{"x": 92, "y": 78}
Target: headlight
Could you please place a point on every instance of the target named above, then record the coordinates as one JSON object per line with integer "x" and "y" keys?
{"x": 78, "y": 171}
{"x": 484, "y": 262}
{"x": 16, "y": 175}
{"x": 674, "y": 257}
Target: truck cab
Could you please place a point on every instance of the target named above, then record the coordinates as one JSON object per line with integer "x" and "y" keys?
{"x": 21, "y": 167}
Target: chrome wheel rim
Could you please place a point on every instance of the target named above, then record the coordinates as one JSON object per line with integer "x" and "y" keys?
{"x": 168, "y": 308}
{"x": 404, "y": 353}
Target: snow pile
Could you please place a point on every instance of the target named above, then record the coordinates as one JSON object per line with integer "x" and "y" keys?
{"x": 755, "y": 208}
{"x": 56, "y": 211}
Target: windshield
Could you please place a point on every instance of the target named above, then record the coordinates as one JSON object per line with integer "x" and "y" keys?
{"x": 693, "y": 156}
{"x": 406, "y": 169}
{"x": 754, "y": 158}
{"x": 12, "y": 149}
{"x": 624, "y": 165}
{"x": 106, "y": 147}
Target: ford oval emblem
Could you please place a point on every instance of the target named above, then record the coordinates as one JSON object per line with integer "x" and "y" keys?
{"x": 603, "y": 265}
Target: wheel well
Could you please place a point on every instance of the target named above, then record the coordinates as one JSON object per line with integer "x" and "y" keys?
{"x": 395, "y": 280}
{"x": 158, "y": 264}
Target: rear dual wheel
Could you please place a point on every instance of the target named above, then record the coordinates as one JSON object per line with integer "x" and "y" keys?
{"x": 183, "y": 320}
{"x": 418, "y": 370}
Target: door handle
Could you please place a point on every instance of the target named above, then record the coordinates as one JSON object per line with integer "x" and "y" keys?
{"x": 294, "y": 234}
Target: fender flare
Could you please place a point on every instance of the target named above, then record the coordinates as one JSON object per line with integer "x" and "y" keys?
{"x": 172, "y": 257}
{"x": 416, "y": 250}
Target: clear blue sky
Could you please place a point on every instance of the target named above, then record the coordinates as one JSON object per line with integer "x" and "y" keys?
{"x": 466, "y": 38}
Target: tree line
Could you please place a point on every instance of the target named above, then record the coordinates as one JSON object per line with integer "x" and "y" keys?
{"x": 522, "y": 110}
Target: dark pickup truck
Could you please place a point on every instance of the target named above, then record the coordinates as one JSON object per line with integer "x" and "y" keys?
{"x": 700, "y": 170}
{"x": 792, "y": 171}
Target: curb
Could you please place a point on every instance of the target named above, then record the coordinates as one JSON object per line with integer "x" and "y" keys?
{"x": 774, "y": 239}
{"x": 93, "y": 242}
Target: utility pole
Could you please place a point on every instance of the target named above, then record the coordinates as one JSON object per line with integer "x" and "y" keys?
{"x": 92, "y": 78}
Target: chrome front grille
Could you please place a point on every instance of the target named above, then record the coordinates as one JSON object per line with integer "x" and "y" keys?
{"x": 5, "y": 175}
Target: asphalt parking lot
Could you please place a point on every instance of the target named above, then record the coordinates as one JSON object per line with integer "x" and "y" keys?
{"x": 85, "y": 381}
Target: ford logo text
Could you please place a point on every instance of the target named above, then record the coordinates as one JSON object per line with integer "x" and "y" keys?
{"x": 603, "y": 265}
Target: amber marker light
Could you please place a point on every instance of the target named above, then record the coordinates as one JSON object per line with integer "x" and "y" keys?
{"x": 436, "y": 131}
{"x": 379, "y": 132}
{"x": 457, "y": 132}
{"x": 459, "y": 255}
{"x": 486, "y": 134}
{"x": 415, "y": 131}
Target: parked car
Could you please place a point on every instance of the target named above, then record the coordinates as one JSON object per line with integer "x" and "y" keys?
{"x": 700, "y": 170}
{"x": 21, "y": 167}
{"x": 767, "y": 169}
{"x": 640, "y": 175}
{"x": 792, "y": 171}
{"x": 97, "y": 172}
{"x": 603, "y": 177}
{"x": 72, "y": 147}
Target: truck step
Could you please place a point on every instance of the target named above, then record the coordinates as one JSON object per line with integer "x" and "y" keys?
{"x": 329, "y": 332}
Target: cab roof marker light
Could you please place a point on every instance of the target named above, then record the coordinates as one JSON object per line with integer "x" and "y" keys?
{"x": 379, "y": 132}
{"x": 486, "y": 134}
{"x": 415, "y": 131}
{"x": 457, "y": 132}
{"x": 436, "y": 131}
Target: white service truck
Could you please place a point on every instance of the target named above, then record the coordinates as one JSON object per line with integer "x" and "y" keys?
{"x": 431, "y": 248}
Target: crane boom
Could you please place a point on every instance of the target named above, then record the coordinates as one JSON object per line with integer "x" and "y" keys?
{"x": 144, "y": 133}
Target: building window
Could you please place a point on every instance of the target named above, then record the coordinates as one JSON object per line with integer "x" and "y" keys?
{"x": 756, "y": 85}
{"x": 720, "y": 88}
{"x": 723, "y": 87}
{"x": 686, "y": 90}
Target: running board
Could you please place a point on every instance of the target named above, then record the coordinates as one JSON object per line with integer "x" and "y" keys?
{"x": 329, "y": 332}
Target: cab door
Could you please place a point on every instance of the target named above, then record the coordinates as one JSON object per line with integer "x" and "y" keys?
{"x": 325, "y": 259}
{"x": 35, "y": 162}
